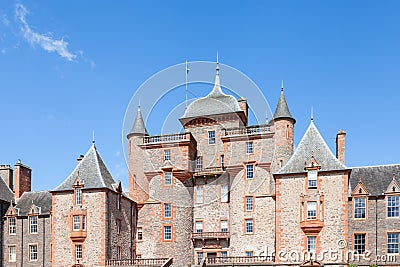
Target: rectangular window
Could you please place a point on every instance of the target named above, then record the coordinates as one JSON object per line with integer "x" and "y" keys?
{"x": 249, "y": 226}
{"x": 224, "y": 254}
{"x": 249, "y": 171}
{"x": 167, "y": 232}
{"x": 167, "y": 154}
{"x": 312, "y": 179}
{"x": 359, "y": 208}
{"x": 393, "y": 206}
{"x": 393, "y": 243}
{"x": 84, "y": 223}
{"x": 118, "y": 227}
{"x": 167, "y": 178}
{"x": 119, "y": 253}
{"x": 249, "y": 147}
{"x": 224, "y": 193}
{"x": 311, "y": 210}
{"x": 12, "y": 229}
{"x": 359, "y": 243}
{"x": 211, "y": 137}
{"x": 311, "y": 244}
{"x": 249, "y": 253}
{"x": 199, "y": 257}
{"x": 33, "y": 253}
{"x": 78, "y": 196}
{"x": 199, "y": 163}
{"x": 167, "y": 210}
{"x": 199, "y": 227}
{"x": 222, "y": 161}
{"x": 78, "y": 252}
{"x": 224, "y": 226}
{"x": 139, "y": 233}
{"x": 119, "y": 201}
{"x": 199, "y": 194}
{"x": 76, "y": 222}
{"x": 12, "y": 254}
{"x": 33, "y": 224}
{"x": 249, "y": 203}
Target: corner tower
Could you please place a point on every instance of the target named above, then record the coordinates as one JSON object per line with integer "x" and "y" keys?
{"x": 138, "y": 183}
{"x": 284, "y": 133}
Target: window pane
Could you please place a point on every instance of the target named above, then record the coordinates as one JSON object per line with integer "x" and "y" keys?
{"x": 199, "y": 194}
{"x": 359, "y": 243}
{"x": 167, "y": 178}
{"x": 140, "y": 233}
{"x": 167, "y": 232}
{"x": 167, "y": 210}
{"x": 12, "y": 256}
{"x": 199, "y": 257}
{"x": 32, "y": 252}
{"x": 359, "y": 208}
{"x": 249, "y": 226}
{"x": 393, "y": 206}
{"x": 83, "y": 222}
{"x": 199, "y": 227}
{"x": 33, "y": 224}
{"x": 224, "y": 193}
{"x": 211, "y": 137}
{"x": 224, "y": 226}
{"x": 78, "y": 196}
{"x": 311, "y": 210}
{"x": 78, "y": 251}
{"x": 249, "y": 203}
{"x": 76, "y": 223}
{"x": 167, "y": 154}
{"x": 224, "y": 253}
{"x": 249, "y": 171}
{"x": 393, "y": 242}
{"x": 249, "y": 253}
{"x": 311, "y": 244}
{"x": 199, "y": 163}
{"x": 249, "y": 147}
{"x": 312, "y": 179}
{"x": 12, "y": 226}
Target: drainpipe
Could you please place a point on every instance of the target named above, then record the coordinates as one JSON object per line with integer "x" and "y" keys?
{"x": 44, "y": 241}
{"x": 22, "y": 241}
{"x": 376, "y": 227}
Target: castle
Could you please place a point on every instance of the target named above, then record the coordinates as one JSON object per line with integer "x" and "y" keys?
{"x": 221, "y": 192}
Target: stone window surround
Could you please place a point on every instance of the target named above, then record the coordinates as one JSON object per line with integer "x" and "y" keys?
{"x": 320, "y": 207}
{"x": 227, "y": 225}
{"x": 366, "y": 240}
{"x": 366, "y": 208}
{"x": 163, "y": 233}
{"x": 245, "y": 164}
{"x": 32, "y": 226}
{"x": 75, "y": 246}
{"x": 196, "y": 223}
{"x": 252, "y": 203}
{"x": 387, "y": 205}
{"x": 398, "y": 244}
{"x": 249, "y": 147}
{"x": 8, "y": 252}
{"x": 245, "y": 226}
{"x": 312, "y": 238}
{"x": 221, "y": 193}
{"x": 30, "y": 254}
{"x": 169, "y": 170}
{"x": 308, "y": 180}
{"x": 163, "y": 211}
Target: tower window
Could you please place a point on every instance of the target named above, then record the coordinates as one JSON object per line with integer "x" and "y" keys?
{"x": 224, "y": 226}
{"x": 249, "y": 203}
{"x": 78, "y": 196}
{"x": 199, "y": 194}
{"x": 249, "y": 226}
{"x": 167, "y": 154}
{"x": 168, "y": 232}
{"x": 12, "y": 226}
{"x": 139, "y": 234}
{"x": 249, "y": 147}
{"x": 167, "y": 178}
{"x": 311, "y": 244}
{"x": 199, "y": 227}
{"x": 312, "y": 179}
{"x": 393, "y": 242}
{"x": 211, "y": 137}
{"x": 199, "y": 163}
{"x": 78, "y": 252}
{"x": 393, "y": 206}
{"x": 249, "y": 171}
{"x": 167, "y": 210}
{"x": 224, "y": 193}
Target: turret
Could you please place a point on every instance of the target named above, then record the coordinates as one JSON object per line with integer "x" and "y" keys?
{"x": 284, "y": 133}
{"x": 138, "y": 183}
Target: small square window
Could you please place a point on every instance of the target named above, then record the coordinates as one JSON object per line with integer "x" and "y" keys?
{"x": 249, "y": 226}
{"x": 139, "y": 234}
{"x": 249, "y": 171}
{"x": 249, "y": 253}
{"x": 168, "y": 178}
{"x": 249, "y": 147}
{"x": 167, "y": 154}
{"x": 167, "y": 232}
{"x": 211, "y": 137}
{"x": 224, "y": 254}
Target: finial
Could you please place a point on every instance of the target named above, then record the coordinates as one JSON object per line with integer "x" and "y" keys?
{"x": 93, "y": 138}
{"x": 217, "y": 68}
{"x": 139, "y": 104}
{"x": 312, "y": 113}
{"x": 282, "y": 86}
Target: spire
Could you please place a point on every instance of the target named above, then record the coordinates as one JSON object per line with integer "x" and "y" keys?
{"x": 282, "y": 109}
{"x": 217, "y": 68}
{"x": 138, "y": 126}
{"x": 216, "y": 91}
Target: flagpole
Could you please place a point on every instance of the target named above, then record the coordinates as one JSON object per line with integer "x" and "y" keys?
{"x": 187, "y": 72}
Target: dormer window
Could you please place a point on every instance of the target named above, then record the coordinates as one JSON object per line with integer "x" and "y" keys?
{"x": 312, "y": 179}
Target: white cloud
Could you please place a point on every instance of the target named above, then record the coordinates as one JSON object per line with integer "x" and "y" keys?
{"x": 45, "y": 41}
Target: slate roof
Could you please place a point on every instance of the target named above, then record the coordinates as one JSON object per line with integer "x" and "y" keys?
{"x": 282, "y": 109}
{"x": 5, "y": 192}
{"x": 91, "y": 171}
{"x": 376, "y": 179}
{"x": 216, "y": 102}
{"x": 312, "y": 144}
{"x": 138, "y": 126}
{"x": 41, "y": 199}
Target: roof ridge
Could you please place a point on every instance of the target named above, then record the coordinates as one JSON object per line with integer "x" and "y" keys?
{"x": 97, "y": 155}
{"x": 376, "y": 166}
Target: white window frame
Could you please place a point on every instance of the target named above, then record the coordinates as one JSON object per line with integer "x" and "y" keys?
{"x": 360, "y": 208}
{"x": 211, "y": 137}
{"x": 224, "y": 226}
{"x": 78, "y": 252}
{"x": 360, "y": 247}
{"x": 200, "y": 256}
{"x": 199, "y": 163}
{"x": 12, "y": 226}
{"x": 167, "y": 154}
{"x": 393, "y": 203}
{"x": 249, "y": 253}
{"x": 84, "y": 223}
{"x": 312, "y": 179}
{"x": 167, "y": 234}
{"x": 76, "y": 223}
{"x": 33, "y": 252}
{"x": 12, "y": 253}
{"x": 311, "y": 244}
{"x": 249, "y": 224}
{"x": 199, "y": 226}
{"x": 224, "y": 193}
{"x": 139, "y": 233}
{"x": 78, "y": 196}
{"x": 167, "y": 210}
{"x": 311, "y": 210}
{"x": 249, "y": 203}
{"x": 393, "y": 243}
{"x": 199, "y": 194}
{"x": 33, "y": 224}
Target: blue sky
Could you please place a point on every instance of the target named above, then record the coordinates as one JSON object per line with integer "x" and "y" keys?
{"x": 70, "y": 67}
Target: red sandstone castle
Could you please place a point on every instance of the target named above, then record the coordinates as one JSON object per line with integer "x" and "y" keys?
{"x": 219, "y": 193}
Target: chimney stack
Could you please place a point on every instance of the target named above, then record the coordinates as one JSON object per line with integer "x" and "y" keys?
{"x": 22, "y": 179}
{"x": 6, "y": 172}
{"x": 80, "y": 158}
{"x": 340, "y": 145}
{"x": 243, "y": 106}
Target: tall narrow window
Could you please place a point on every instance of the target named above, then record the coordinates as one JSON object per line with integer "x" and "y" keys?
{"x": 33, "y": 224}
{"x": 312, "y": 179}
{"x": 78, "y": 196}
{"x": 224, "y": 226}
{"x": 249, "y": 226}
{"x": 311, "y": 244}
{"x": 168, "y": 232}
{"x": 249, "y": 147}
{"x": 360, "y": 208}
{"x": 12, "y": 254}
{"x": 119, "y": 201}
{"x": 167, "y": 210}
{"x": 393, "y": 242}
{"x": 199, "y": 257}
{"x": 393, "y": 206}
{"x": 199, "y": 163}
{"x": 199, "y": 226}
{"x": 119, "y": 226}
{"x": 199, "y": 194}
{"x": 223, "y": 161}
{"x": 119, "y": 254}
{"x": 249, "y": 203}
{"x": 33, "y": 253}
{"x": 78, "y": 252}
{"x": 139, "y": 233}
{"x": 167, "y": 178}
{"x": 311, "y": 210}
{"x": 12, "y": 225}
{"x": 211, "y": 137}
{"x": 76, "y": 223}
{"x": 224, "y": 193}
{"x": 359, "y": 243}
{"x": 167, "y": 154}
{"x": 287, "y": 131}
{"x": 84, "y": 223}
{"x": 249, "y": 171}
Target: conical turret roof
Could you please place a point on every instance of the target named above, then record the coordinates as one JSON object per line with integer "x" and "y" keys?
{"x": 138, "y": 126}
{"x": 282, "y": 109}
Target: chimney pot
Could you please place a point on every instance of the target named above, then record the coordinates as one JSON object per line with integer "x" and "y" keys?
{"x": 341, "y": 146}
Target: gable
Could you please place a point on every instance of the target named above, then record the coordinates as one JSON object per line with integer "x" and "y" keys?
{"x": 360, "y": 190}
{"x": 393, "y": 187}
